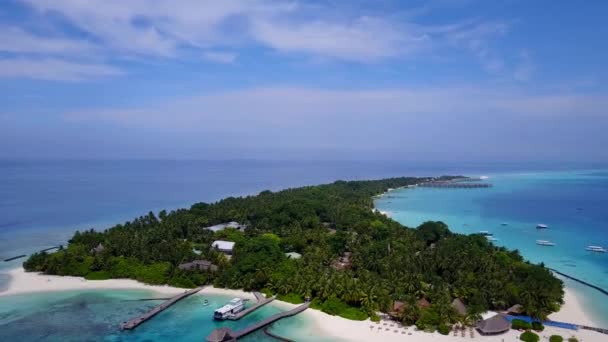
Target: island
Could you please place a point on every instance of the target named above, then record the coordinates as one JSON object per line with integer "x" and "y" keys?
{"x": 325, "y": 244}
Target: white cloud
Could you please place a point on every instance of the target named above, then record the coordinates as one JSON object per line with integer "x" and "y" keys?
{"x": 54, "y": 69}
{"x": 16, "y": 40}
{"x": 220, "y": 57}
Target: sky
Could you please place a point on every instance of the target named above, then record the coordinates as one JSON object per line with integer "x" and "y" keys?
{"x": 453, "y": 80}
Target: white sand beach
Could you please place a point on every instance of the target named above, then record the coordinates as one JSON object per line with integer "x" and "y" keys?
{"x": 326, "y": 325}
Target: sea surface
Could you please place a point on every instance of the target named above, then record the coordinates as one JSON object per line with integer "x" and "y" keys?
{"x": 574, "y": 204}
{"x": 43, "y": 202}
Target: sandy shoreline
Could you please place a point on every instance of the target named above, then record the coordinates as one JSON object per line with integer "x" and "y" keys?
{"x": 323, "y": 324}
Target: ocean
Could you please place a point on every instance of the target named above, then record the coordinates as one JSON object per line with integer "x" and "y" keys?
{"x": 43, "y": 202}
{"x": 571, "y": 203}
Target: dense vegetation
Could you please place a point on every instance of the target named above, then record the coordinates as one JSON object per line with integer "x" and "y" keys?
{"x": 389, "y": 262}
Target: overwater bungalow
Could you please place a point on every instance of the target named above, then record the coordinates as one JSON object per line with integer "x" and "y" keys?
{"x": 494, "y": 326}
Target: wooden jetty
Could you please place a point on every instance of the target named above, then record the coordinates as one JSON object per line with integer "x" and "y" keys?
{"x": 261, "y": 301}
{"x": 228, "y": 335}
{"x": 24, "y": 255}
{"x": 579, "y": 281}
{"x": 461, "y": 185}
{"x": 15, "y": 258}
{"x": 135, "y": 322}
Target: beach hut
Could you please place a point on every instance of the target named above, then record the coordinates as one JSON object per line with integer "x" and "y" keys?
{"x": 516, "y": 309}
{"x": 493, "y": 326}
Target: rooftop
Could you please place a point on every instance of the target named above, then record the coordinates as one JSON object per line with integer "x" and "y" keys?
{"x": 223, "y": 245}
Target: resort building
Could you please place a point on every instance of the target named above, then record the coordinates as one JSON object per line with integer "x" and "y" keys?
{"x": 100, "y": 248}
{"x": 198, "y": 265}
{"x": 343, "y": 262}
{"x": 423, "y": 303}
{"x": 459, "y": 307}
{"x": 225, "y": 247}
{"x": 293, "y": 255}
{"x": 493, "y": 326}
{"x": 516, "y": 309}
{"x": 233, "y": 224}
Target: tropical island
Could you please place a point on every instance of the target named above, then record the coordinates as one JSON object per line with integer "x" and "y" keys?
{"x": 323, "y": 243}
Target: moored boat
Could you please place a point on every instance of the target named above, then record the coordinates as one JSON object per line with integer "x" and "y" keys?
{"x": 597, "y": 249}
{"x": 485, "y": 233}
{"x": 541, "y": 226}
{"x": 231, "y": 308}
{"x": 545, "y": 243}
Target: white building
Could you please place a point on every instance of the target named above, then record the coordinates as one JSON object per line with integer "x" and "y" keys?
{"x": 222, "y": 226}
{"x": 223, "y": 246}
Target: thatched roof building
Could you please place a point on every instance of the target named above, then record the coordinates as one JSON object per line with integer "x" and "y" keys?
{"x": 423, "y": 303}
{"x": 221, "y": 335}
{"x": 516, "y": 309}
{"x": 398, "y": 306}
{"x": 494, "y": 325}
{"x": 100, "y": 248}
{"x": 459, "y": 307}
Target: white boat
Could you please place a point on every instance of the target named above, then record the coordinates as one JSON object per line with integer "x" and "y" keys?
{"x": 541, "y": 226}
{"x": 598, "y": 249}
{"x": 545, "y": 243}
{"x": 491, "y": 238}
{"x": 231, "y": 308}
{"x": 485, "y": 233}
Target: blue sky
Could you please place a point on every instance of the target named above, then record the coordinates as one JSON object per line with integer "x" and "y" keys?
{"x": 417, "y": 80}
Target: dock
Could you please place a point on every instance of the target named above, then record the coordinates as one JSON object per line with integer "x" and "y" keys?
{"x": 135, "y": 322}
{"x": 261, "y": 301}
{"x": 24, "y": 255}
{"x": 460, "y": 185}
{"x": 228, "y": 335}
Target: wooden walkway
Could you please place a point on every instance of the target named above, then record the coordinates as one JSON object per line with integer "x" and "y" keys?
{"x": 234, "y": 335}
{"x": 461, "y": 185}
{"x": 135, "y": 322}
{"x": 262, "y": 300}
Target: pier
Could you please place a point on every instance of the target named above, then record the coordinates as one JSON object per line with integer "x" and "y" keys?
{"x": 456, "y": 184}
{"x": 579, "y": 281}
{"x": 135, "y": 322}
{"x": 24, "y": 255}
{"x": 261, "y": 301}
{"x": 228, "y": 335}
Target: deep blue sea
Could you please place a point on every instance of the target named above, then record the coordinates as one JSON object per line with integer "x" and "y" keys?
{"x": 43, "y": 202}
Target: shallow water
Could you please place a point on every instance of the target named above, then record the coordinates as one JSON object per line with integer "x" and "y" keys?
{"x": 96, "y": 315}
{"x": 572, "y": 204}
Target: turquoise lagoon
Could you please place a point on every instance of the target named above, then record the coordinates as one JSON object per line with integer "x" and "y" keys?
{"x": 573, "y": 204}
{"x": 95, "y": 316}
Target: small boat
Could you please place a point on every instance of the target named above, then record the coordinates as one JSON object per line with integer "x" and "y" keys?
{"x": 485, "y": 233}
{"x": 541, "y": 226}
{"x": 504, "y": 224}
{"x": 545, "y": 243}
{"x": 491, "y": 238}
{"x": 205, "y": 302}
{"x": 597, "y": 249}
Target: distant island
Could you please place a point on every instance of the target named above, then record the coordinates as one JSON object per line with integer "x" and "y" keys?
{"x": 323, "y": 243}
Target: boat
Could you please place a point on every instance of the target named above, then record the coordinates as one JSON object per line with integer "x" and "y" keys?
{"x": 485, "y": 233}
{"x": 230, "y": 309}
{"x": 597, "y": 249}
{"x": 491, "y": 238}
{"x": 205, "y": 302}
{"x": 545, "y": 243}
{"x": 541, "y": 226}
{"x": 504, "y": 224}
